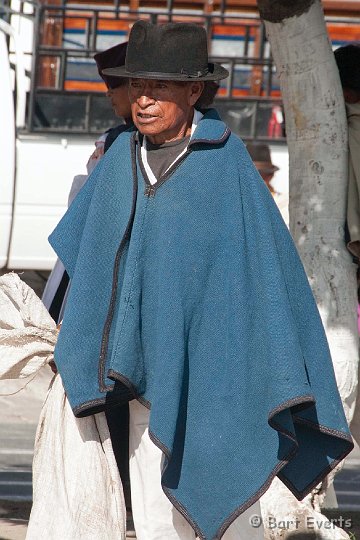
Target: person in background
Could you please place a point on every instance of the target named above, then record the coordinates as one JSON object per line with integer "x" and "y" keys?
{"x": 348, "y": 62}
{"x": 117, "y": 92}
{"x": 57, "y": 286}
{"x": 261, "y": 156}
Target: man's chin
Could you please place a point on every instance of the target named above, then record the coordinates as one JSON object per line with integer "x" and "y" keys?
{"x": 148, "y": 128}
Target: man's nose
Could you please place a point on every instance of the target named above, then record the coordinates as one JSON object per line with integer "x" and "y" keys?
{"x": 145, "y": 98}
{"x": 145, "y": 101}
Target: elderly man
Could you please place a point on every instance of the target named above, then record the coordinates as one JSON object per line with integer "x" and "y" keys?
{"x": 188, "y": 300}
{"x": 261, "y": 156}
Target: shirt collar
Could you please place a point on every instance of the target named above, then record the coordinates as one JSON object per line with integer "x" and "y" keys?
{"x": 210, "y": 129}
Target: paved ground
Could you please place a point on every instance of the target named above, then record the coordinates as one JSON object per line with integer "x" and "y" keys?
{"x": 347, "y": 483}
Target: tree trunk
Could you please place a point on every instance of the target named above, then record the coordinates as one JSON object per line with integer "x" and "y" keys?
{"x": 316, "y": 130}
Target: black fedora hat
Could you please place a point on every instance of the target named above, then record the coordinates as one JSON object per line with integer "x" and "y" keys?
{"x": 348, "y": 63}
{"x": 171, "y": 51}
{"x": 113, "y": 57}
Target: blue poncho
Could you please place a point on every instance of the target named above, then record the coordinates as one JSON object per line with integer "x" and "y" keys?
{"x": 192, "y": 299}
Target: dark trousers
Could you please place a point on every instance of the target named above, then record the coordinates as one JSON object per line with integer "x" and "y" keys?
{"x": 118, "y": 421}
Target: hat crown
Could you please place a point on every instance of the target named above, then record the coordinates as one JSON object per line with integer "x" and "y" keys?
{"x": 112, "y": 57}
{"x": 348, "y": 63}
{"x": 259, "y": 152}
{"x": 173, "y": 48}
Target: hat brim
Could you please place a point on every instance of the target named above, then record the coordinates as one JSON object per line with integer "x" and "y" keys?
{"x": 265, "y": 166}
{"x": 216, "y": 73}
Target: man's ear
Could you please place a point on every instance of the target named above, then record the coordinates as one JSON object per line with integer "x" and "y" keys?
{"x": 196, "y": 89}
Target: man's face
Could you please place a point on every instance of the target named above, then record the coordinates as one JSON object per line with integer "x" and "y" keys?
{"x": 120, "y": 100}
{"x": 162, "y": 110}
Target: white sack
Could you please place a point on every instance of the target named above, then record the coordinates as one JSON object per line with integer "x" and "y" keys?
{"x": 77, "y": 491}
{"x": 27, "y": 334}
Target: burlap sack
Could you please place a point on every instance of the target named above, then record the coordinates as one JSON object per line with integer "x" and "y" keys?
{"x": 77, "y": 491}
